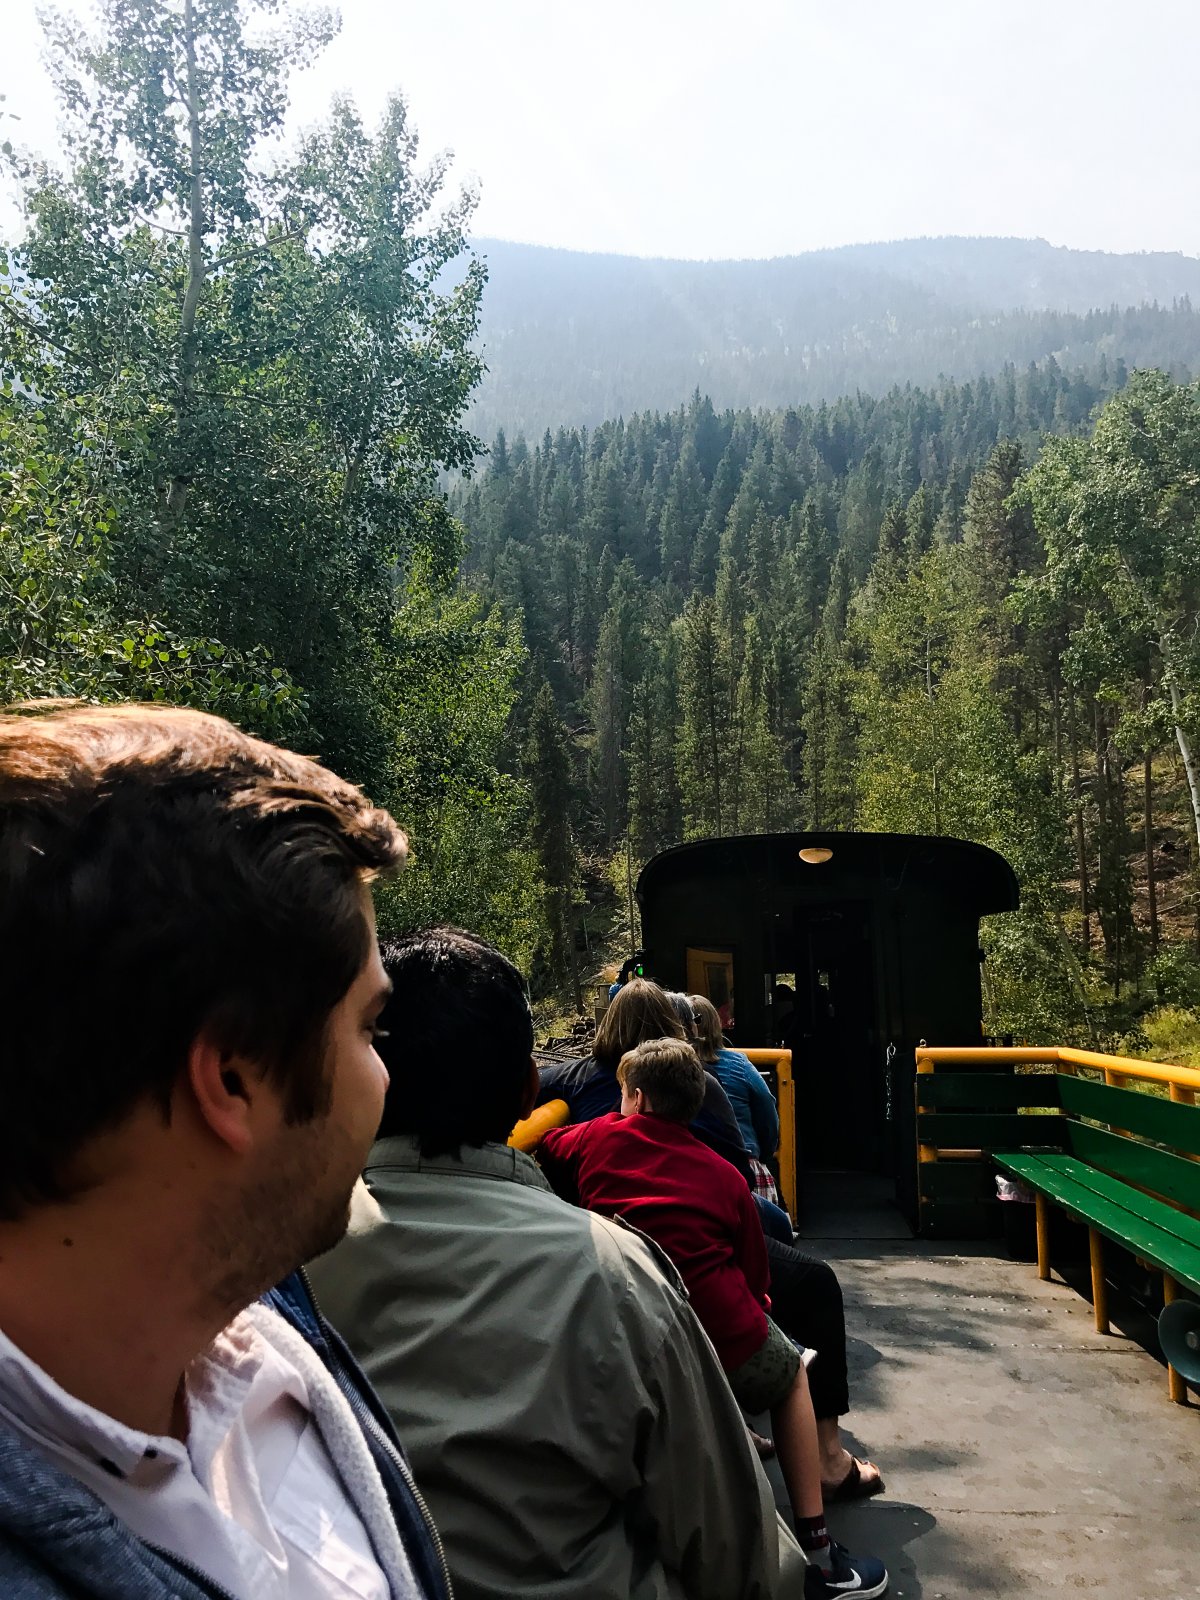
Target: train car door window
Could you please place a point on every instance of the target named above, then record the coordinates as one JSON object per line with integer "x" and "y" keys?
{"x": 710, "y": 973}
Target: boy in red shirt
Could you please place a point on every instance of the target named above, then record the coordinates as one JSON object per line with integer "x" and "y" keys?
{"x": 644, "y": 1165}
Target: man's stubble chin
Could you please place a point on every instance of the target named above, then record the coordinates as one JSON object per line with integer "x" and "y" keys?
{"x": 274, "y": 1222}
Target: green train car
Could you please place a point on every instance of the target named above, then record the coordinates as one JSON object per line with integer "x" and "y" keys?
{"x": 851, "y": 949}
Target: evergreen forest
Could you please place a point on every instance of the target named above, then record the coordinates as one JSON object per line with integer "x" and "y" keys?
{"x": 239, "y": 470}
{"x": 970, "y": 610}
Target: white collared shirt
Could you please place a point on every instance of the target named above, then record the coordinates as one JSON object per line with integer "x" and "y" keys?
{"x": 253, "y": 1500}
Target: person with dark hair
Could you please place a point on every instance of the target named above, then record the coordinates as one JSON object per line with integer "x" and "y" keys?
{"x": 562, "y": 1406}
{"x": 643, "y": 1165}
{"x": 628, "y": 970}
{"x": 177, "y": 1136}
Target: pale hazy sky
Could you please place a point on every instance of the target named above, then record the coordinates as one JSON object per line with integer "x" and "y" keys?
{"x": 763, "y": 127}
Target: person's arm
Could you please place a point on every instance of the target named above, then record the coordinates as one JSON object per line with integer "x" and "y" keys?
{"x": 705, "y": 1505}
{"x": 558, "y": 1156}
{"x": 764, "y": 1113}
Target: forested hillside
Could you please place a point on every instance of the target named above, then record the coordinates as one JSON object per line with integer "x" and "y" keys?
{"x": 573, "y": 340}
{"x": 235, "y": 379}
{"x": 901, "y": 614}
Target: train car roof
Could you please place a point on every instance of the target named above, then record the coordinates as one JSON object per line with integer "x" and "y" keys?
{"x": 963, "y": 871}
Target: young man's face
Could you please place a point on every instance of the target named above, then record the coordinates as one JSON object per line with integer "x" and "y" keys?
{"x": 304, "y": 1174}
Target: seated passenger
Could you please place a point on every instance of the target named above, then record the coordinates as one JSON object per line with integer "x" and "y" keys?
{"x": 804, "y": 1290}
{"x": 752, "y": 1101}
{"x": 641, "y": 1010}
{"x": 643, "y": 1165}
{"x": 188, "y": 1087}
{"x": 560, "y": 1402}
{"x": 627, "y": 970}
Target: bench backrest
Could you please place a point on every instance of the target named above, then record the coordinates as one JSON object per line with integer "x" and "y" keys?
{"x": 1144, "y": 1140}
{"x": 965, "y": 1113}
{"x": 962, "y": 1114}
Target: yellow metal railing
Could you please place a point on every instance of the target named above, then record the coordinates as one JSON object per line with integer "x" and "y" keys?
{"x": 1183, "y": 1082}
{"x": 780, "y": 1062}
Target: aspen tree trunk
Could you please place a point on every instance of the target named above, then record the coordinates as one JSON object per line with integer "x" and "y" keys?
{"x": 1147, "y": 826}
{"x": 1085, "y": 897}
{"x": 1190, "y": 765}
{"x": 175, "y": 500}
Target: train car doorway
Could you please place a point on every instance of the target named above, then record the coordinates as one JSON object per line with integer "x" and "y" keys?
{"x": 837, "y": 1058}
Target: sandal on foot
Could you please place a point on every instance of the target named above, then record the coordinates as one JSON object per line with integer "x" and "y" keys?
{"x": 854, "y": 1486}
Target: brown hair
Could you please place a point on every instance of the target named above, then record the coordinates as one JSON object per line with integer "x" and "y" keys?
{"x": 163, "y": 873}
{"x": 637, "y": 1012}
{"x": 669, "y": 1074}
{"x": 708, "y": 1026}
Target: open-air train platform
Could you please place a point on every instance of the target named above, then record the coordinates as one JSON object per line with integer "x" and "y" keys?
{"x": 1025, "y": 1454}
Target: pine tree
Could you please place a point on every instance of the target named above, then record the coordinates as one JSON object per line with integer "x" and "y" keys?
{"x": 547, "y": 770}
{"x": 704, "y": 715}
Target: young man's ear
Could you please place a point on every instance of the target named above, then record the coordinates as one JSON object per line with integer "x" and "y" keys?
{"x": 533, "y": 1085}
{"x": 222, "y": 1086}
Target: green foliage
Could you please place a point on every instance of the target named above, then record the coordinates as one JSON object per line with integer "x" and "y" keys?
{"x": 233, "y": 375}
{"x": 63, "y": 632}
{"x": 269, "y": 335}
{"x": 1175, "y": 977}
{"x": 1172, "y": 1034}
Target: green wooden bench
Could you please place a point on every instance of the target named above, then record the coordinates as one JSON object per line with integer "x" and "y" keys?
{"x": 1129, "y": 1171}
{"x": 1127, "y": 1165}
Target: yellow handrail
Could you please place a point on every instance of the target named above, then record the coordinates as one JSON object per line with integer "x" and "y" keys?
{"x": 780, "y": 1061}
{"x": 1184, "y": 1078}
{"x": 527, "y": 1135}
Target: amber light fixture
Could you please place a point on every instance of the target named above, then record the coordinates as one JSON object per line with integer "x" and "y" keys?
{"x": 815, "y": 854}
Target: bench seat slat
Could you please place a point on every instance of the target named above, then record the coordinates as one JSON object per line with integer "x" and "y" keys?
{"x": 1153, "y": 1230}
{"x": 1139, "y": 1204}
{"x": 1109, "y": 1190}
{"x": 1142, "y": 1166}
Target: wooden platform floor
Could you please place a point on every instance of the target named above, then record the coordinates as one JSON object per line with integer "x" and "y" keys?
{"x": 1025, "y": 1454}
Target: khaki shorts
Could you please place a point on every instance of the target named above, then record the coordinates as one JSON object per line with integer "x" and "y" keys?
{"x": 766, "y": 1379}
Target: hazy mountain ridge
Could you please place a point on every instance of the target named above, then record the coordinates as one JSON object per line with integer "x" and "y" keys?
{"x": 572, "y": 338}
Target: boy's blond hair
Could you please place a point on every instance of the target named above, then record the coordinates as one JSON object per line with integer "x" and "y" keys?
{"x": 669, "y": 1074}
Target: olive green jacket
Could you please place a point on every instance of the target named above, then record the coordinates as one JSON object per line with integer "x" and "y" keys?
{"x": 565, "y": 1415}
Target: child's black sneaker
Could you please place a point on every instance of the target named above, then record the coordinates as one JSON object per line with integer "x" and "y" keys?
{"x": 860, "y": 1576}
